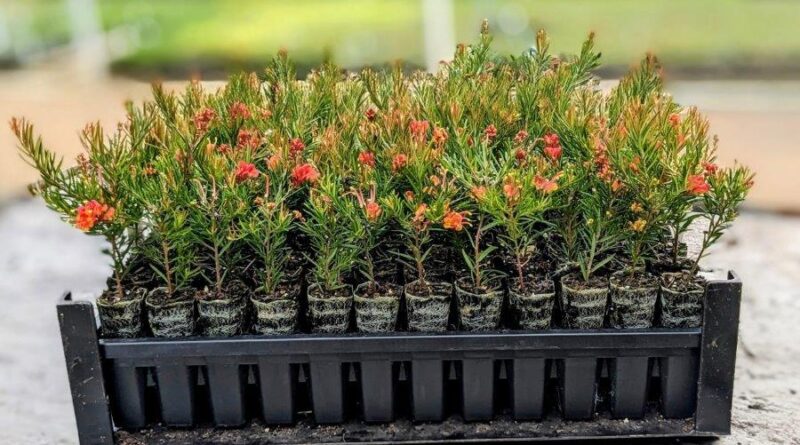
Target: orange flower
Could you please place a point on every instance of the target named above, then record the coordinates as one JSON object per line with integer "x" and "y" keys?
{"x": 304, "y": 173}
{"x": 553, "y": 152}
{"x": 244, "y": 171}
{"x": 697, "y": 185}
{"x": 490, "y": 132}
{"x": 521, "y": 137}
{"x": 636, "y": 208}
{"x": 710, "y": 168}
{"x": 366, "y": 158}
{"x": 546, "y": 185}
{"x": 92, "y": 212}
{"x": 674, "y": 119}
{"x": 409, "y": 195}
{"x": 478, "y": 192}
{"x": 203, "y": 119}
{"x": 370, "y": 114}
{"x": 454, "y": 221}
{"x": 638, "y": 225}
{"x": 520, "y": 155}
{"x": 511, "y": 190}
{"x": 296, "y": 146}
{"x": 238, "y": 110}
{"x": 419, "y": 214}
{"x": 616, "y": 185}
{"x": 439, "y": 136}
{"x": 274, "y": 161}
{"x": 224, "y": 148}
{"x": 435, "y": 180}
{"x": 373, "y": 211}
{"x": 418, "y": 130}
{"x": 248, "y": 139}
{"x": 398, "y": 162}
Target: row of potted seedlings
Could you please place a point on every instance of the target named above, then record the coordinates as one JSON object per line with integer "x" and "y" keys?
{"x": 495, "y": 170}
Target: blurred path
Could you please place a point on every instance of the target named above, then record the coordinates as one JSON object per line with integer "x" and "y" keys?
{"x": 41, "y": 256}
{"x": 756, "y": 122}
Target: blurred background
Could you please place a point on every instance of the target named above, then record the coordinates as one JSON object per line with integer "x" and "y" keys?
{"x": 64, "y": 63}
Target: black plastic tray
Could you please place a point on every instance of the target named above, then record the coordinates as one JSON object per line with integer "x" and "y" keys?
{"x": 520, "y": 376}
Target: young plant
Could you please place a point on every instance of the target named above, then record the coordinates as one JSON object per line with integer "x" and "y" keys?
{"x": 329, "y": 214}
{"x": 265, "y": 227}
{"x": 94, "y": 195}
{"x": 723, "y": 191}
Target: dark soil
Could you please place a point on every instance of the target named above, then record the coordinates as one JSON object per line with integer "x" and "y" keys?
{"x": 234, "y": 290}
{"x": 380, "y": 290}
{"x": 575, "y": 281}
{"x": 159, "y": 296}
{"x": 451, "y": 429}
{"x": 466, "y": 285}
{"x": 683, "y": 282}
{"x": 427, "y": 289}
{"x": 321, "y": 292}
{"x": 533, "y": 284}
{"x": 635, "y": 280}
{"x": 284, "y": 291}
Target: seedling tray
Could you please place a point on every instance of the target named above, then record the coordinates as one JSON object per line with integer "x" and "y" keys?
{"x": 501, "y": 386}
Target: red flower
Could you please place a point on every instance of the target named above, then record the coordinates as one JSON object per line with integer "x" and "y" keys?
{"x": 418, "y": 130}
{"x": 521, "y": 137}
{"x": 366, "y": 158}
{"x": 244, "y": 171}
{"x": 399, "y": 161}
{"x": 248, "y": 139}
{"x": 203, "y": 119}
{"x": 373, "y": 211}
{"x": 370, "y": 114}
{"x": 553, "y": 152}
{"x": 550, "y": 139}
{"x": 674, "y": 119}
{"x": 296, "y": 146}
{"x": 520, "y": 155}
{"x": 439, "y": 136}
{"x": 304, "y": 173}
{"x": 454, "y": 221}
{"x": 224, "y": 148}
{"x": 697, "y": 185}
{"x": 546, "y": 185}
{"x": 92, "y": 212}
{"x": 710, "y": 168}
{"x": 238, "y": 110}
{"x": 490, "y": 132}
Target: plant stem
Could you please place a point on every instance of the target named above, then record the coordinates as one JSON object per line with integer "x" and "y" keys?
{"x": 167, "y": 268}
{"x": 115, "y": 253}
{"x": 477, "y": 253}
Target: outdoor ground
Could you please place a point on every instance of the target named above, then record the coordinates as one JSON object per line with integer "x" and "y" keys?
{"x": 40, "y": 257}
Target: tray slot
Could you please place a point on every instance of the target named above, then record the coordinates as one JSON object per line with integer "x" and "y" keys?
{"x": 477, "y": 388}
{"x": 128, "y": 406}
{"x": 277, "y": 391}
{"x": 528, "y": 377}
{"x": 176, "y": 391}
{"x": 427, "y": 389}
{"x": 578, "y": 387}
{"x": 377, "y": 389}
{"x": 225, "y": 386}
{"x": 629, "y": 378}
{"x": 679, "y": 386}
{"x": 327, "y": 391}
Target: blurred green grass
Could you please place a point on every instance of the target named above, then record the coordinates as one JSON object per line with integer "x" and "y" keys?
{"x": 184, "y": 36}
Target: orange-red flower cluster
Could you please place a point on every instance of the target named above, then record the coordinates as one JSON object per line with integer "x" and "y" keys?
{"x": 239, "y": 110}
{"x": 439, "y": 136}
{"x": 490, "y": 132}
{"x": 552, "y": 147}
{"x": 418, "y": 130}
{"x": 296, "y": 146}
{"x": 244, "y": 171}
{"x": 546, "y": 185}
{"x": 202, "y": 120}
{"x": 248, "y": 139}
{"x": 454, "y": 220}
{"x": 697, "y": 185}
{"x": 366, "y": 158}
{"x": 399, "y": 162}
{"x": 92, "y": 212}
{"x": 304, "y": 173}
{"x": 373, "y": 211}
